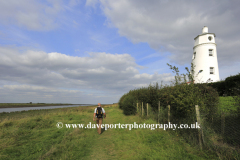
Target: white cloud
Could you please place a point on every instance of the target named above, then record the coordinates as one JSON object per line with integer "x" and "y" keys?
{"x": 26, "y": 93}
{"x": 39, "y": 73}
{"x": 73, "y": 3}
{"x": 171, "y": 26}
{"x": 31, "y": 14}
{"x": 91, "y": 3}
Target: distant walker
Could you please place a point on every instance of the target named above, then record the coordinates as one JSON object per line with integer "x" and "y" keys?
{"x": 98, "y": 114}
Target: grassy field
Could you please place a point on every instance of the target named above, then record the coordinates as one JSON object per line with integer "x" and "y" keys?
{"x": 227, "y": 104}
{"x": 34, "y": 135}
{"x": 15, "y": 105}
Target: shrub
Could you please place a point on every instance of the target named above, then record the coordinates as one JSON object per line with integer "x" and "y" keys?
{"x": 228, "y": 86}
{"x": 236, "y": 92}
{"x": 231, "y": 83}
{"x": 219, "y": 87}
{"x": 120, "y": 102}
{"x": 128, "y": 105}
{"x": 183, "y": 98}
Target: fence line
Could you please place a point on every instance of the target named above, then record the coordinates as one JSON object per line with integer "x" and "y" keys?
{"x": 158, "y": 111}
{"x": 217, "y": 122}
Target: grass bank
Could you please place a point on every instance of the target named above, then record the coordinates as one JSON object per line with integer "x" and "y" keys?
{"x": 34, "y": 135}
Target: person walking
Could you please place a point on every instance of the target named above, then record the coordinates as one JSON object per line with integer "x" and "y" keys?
{"x": 98, "y": 114}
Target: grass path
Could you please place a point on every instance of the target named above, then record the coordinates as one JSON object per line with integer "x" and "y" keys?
{"x": 34, "y": 135}
{"x": 138, "y": 143}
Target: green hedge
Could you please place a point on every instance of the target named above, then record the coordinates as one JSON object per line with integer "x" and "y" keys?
{"x": 227, "y": 87}
{"x": 219, "y": 87}
{"x": 182, "y": 98}
{"x": 231, "y": 83}
{"x": 129, "y": 105}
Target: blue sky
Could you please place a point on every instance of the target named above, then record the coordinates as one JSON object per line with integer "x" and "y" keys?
{"x": 94, "y": 51}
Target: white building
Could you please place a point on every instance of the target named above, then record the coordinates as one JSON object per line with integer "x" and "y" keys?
{"x": 205, "y": 58}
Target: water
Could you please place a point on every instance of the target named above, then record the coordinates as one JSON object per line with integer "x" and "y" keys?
{"x": 38, "y": 108}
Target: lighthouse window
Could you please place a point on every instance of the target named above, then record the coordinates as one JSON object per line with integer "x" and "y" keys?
{"x": 210, "y": 38}
{"x": 210, "y": 52}
{"x": 211, "y": 70}
{"x": 194, "y": 55}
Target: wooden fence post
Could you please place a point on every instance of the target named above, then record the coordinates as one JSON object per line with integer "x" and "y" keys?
{"x": 222, "y": 123}
{"x": 158, "y": 111}
{"x": 142, "y": 108}
{"x": 137, "y": 107}
{"x": 147, "y": 109}
{"x": 168, "y": 113}
{"x": 198, "y": 120}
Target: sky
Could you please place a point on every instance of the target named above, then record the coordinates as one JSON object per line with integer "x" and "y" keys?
{"x": 94, "y": 51}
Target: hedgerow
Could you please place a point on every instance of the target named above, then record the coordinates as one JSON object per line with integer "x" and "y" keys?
{"x": 181, "y": 96}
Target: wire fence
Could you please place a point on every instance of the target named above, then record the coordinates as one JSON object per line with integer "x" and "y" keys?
{"x": 226, "y": 125}
{"x": 219, "y": 130}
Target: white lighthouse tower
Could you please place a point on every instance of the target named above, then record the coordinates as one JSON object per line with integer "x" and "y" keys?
{"x": 205, "y": 58}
